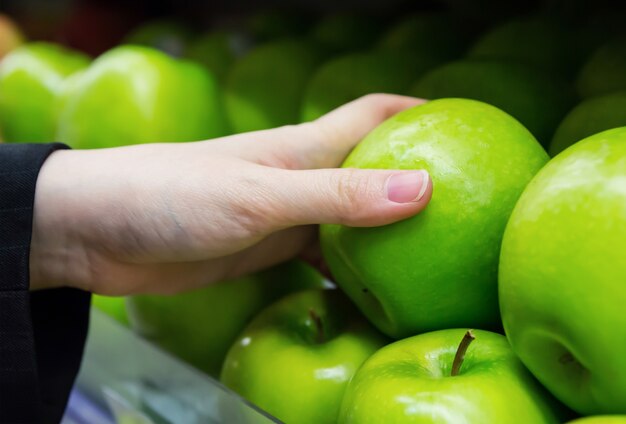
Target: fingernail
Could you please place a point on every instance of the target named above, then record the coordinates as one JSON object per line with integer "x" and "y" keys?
{"x": 407, "y": 187}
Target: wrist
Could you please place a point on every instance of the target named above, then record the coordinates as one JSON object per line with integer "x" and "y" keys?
{"x": 51, "y": 247}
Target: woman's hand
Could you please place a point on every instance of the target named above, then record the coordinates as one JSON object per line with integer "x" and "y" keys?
{"x": 163, "y": 218}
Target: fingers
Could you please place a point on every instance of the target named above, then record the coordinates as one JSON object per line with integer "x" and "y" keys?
{"x": 345, "y": 126}
{"x": 274, "y": 249}
{"x": 353, "y": 197}
{"x": 323, "y": 143}
{"x": 170, "y": 278}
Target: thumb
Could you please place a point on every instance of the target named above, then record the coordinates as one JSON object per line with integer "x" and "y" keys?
{"x": 353, "y": 197}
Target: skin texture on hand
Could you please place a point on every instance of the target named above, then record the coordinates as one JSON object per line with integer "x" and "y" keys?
{"x": 163, "y": 218}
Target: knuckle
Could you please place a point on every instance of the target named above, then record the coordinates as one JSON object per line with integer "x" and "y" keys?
{"x": 251, "y": 212}
{"x": 375, "y": 97}
{"x": 351, "y": 188}
{"x": 379, "y": 104}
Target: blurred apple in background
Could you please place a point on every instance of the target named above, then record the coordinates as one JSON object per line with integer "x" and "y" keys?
{"x": 270, "y": 25}
{"x": 535, "y": 41}
{"x": 590, "y": 117}
{"x": 605, "y": 71}
{"x": 135, "y": 94}
{"x": 169, "y": 36}
{"x": 115, "y": 307}
{"x": 31, "y": 78}
{"x": 343, "y": 32}
{"x": 348, "y": 77}
{"x": 265, "y": 88}
{"x": 200, "y": 326}
{"x": 430, "y": 35}
{"x": 535, "y": 98}
{"x": 562, "y": 281}
{"x": 438, "y": 378}
{"x": 218, "y": 51}
{"x": 438, "y": 269}
{"x": 601, "y": 419}
{"x": 296, "y": 357}
{"x": 10, "y": 35}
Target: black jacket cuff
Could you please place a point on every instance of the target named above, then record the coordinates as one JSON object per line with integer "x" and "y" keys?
{"x": 42, "y": 334}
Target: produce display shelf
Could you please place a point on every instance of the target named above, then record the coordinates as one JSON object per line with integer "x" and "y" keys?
{"x": 127, "y": 380}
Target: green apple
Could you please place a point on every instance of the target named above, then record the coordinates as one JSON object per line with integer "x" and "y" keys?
{"x": 426, "y": 35}
{"x": 348, "y": 77}
{"x": 536, "y": 99}
{"x": 439, "y": 377}
{"x": 66, "y": 92}
{"x": 605, "y": 71}
{"x": 217, "y": 51}
{"x": 438, "y": 269}
{"x": 170, "y": 37}
{"x": 296, "y": 358}
{"x": 115, "y": 307}
{"x": 199, "y": 326}
{"x": 135, "y": 94}
{"x": 590, "y": 117}
{"x": 31, "y": 78}
{"x": 10, "y": 35}
{"x": 535, "y": 41}
{"x": 562, "y": 280}
{"x": 343, "y": 32}
{"x": 265, "y": 88}
{"x": 601, "y": 419}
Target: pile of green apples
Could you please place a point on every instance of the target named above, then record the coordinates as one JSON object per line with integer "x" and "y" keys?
{"x": 500, "y": 303}
{"x": 510, "y": 238}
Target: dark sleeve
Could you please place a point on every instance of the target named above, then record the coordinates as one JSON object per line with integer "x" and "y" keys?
{"x": 42, "y": 334}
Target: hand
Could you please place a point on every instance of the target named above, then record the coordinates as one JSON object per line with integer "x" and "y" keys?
{"x": 162, "y": 218}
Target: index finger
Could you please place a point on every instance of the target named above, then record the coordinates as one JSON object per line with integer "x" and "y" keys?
{"x": 323, "y": 143}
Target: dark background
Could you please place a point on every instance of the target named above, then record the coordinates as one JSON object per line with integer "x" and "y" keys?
{"x": 97, "y": 25}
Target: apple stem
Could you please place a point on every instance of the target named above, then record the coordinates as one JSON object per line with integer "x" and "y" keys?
{"x": 319, "y": 325}
{"x": 460, "y": 352}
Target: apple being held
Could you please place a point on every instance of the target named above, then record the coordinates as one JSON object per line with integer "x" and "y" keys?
{"x": 447, "y": 377}
{"x": 562, "y": 277}
{"x": 296, "y": 358}
{"x": 438, "y": 269}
